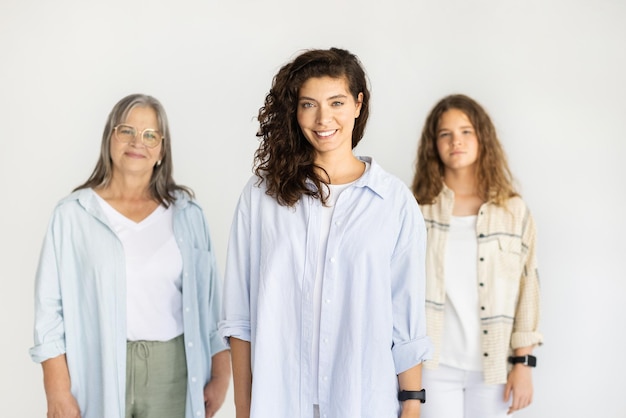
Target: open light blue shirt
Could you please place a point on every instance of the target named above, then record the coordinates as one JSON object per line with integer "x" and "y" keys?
{"x": 80, "y": 303}
{"x": 372, "y": 316}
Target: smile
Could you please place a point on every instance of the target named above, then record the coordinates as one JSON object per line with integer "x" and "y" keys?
{"x": 325, "y": 133}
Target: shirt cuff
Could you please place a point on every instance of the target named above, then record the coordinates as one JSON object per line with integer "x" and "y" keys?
{"x": 411, "y": 353}
{"x": 526, "y": 339}
{"x": 237, "y": 329}
{"x": 46, "y": 351}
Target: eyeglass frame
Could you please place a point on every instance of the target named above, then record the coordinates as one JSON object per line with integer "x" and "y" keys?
{"x": 138, "y": 133}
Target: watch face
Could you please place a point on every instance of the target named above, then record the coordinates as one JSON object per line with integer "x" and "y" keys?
{"x": 532, "y": 361}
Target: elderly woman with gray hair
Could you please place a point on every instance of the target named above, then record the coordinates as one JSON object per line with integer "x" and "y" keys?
{"x": 127, "y": 292}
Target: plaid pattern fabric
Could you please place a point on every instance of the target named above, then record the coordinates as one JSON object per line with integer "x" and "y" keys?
{"x": 508, "y": 283}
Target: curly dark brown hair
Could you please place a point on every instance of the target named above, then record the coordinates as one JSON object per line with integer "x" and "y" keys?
{"x": 493, "y": 175}
{"x": 285, "y": 159}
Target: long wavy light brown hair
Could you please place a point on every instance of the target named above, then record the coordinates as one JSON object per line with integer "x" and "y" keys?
{"x": 493, "y": 176}
{"x": 162, "y": 185}
{"x": 285, "y": 159}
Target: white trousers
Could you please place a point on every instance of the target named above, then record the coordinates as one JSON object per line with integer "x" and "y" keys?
{"x": 456, "y": 393}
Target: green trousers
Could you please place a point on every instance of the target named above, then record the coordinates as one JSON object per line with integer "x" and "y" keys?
{"x": 156, "y": 379}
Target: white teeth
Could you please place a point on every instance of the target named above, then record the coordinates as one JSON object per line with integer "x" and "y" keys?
{"x": 326, "y": 133}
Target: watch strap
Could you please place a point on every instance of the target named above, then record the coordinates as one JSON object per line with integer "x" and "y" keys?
{"x": 530, "y": 361}
{"x": 405, "y": 395}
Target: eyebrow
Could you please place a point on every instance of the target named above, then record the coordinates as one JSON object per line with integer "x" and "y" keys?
{"x": 460, "y": 127}
{"x": 337, "y": 96}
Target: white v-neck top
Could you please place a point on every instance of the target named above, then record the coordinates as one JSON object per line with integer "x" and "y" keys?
{"x": 153, "y": 274}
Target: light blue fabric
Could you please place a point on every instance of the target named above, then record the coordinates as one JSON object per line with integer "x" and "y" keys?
{"x": 80, "y": 303}
{"x": 372, "y": 320}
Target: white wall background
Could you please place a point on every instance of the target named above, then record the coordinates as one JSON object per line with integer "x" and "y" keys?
{"x": 551, "y": 73}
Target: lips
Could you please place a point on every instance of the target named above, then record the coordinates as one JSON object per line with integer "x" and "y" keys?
{"x": 325, "y": 134}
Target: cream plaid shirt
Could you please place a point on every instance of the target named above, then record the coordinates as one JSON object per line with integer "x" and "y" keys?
{"x": 508, "y": 284}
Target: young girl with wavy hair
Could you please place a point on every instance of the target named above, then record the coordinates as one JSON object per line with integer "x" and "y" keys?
{"x": 482, "y": 288}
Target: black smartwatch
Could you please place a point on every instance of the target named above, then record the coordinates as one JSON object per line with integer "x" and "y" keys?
{"x": 405, "y": 395}
{"x": 530, "y": 361}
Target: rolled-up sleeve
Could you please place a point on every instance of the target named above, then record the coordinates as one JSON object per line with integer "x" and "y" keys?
{"x": 49, "y": 330}
{"x": 236, "y": 297}
{"x": 411, "y": 346}
{"x": 525, "y": 329}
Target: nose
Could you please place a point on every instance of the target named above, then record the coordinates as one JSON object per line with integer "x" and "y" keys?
{"x": 137, "y": 140}
{"x": 455, "y": 138}
{"x": 324, "y": 115}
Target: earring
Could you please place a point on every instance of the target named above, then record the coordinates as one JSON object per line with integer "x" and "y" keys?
{"x": 158, "y": 163}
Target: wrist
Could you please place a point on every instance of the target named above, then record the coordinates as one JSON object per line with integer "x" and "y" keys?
{"x": 527, "y": 360}
{"x": 412, "y": 395}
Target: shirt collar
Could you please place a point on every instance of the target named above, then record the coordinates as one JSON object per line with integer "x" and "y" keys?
{"x": 376, "y": 179}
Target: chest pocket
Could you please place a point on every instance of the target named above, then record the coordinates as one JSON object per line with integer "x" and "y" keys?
{"x": 510, "y": 257}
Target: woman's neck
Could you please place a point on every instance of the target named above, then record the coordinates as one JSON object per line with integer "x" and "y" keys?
{"x": 126, "y": 188}
{"x": 341, "y": 170}
{"x": 467, "y": 200}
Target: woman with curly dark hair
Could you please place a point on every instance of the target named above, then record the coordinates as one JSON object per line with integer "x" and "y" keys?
{"x": 324, "y": 287}
{"x": 482, "y": 288}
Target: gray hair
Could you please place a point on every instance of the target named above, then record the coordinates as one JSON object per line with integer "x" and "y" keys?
{"x": 162, "y": 185}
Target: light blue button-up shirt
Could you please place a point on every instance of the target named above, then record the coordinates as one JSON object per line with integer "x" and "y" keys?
{"x": 80, "y": 303}
{"x": 372, "y": 323}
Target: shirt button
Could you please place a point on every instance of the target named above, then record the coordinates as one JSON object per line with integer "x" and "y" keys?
{"x": 332, "y": 259}
{"x": 482, "y": 308}
{"x": 481, "y": 236}
{"x": 325, "y": 340}
{"x": 482, "y": 284}
{"x": 486, "y": 354}
{"x": 193, "y": 380}
{"x": 327, "y": 300}
{"x": 187, "y": 309}
{"x": 482, "y": 258}
{"x": 485, "y": 332}
{"x": 325, "y": 378}
{"x": 189, "y": 344}
{"x": 338, "y": 223}
{"x": 198, "y": 413}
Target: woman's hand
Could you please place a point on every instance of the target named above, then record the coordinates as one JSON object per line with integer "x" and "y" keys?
{"x": 62, "y": 405}
{"x": 520, "y": 384}
{"x": 215, "y": 389}
{"x": 56, "y": 381}
{"x": 411, "y": 409}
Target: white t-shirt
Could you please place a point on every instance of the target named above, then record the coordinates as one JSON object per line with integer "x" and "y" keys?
{"x": 461, "y": 331}
{"x": 153, "y": 274}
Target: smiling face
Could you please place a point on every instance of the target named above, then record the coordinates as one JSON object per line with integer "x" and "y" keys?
{"x": 326, "y": 114}
{"x": 134, "y": 158}
{"x": 457, "y": 142}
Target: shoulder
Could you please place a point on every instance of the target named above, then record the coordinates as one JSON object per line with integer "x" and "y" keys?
{"x": 79, "y": 199}
{"x": 255, "y": 191}
{"x": 187, "y": 208}
{"x": 385, "y": 184}
{"x": 184, "y": 201}
{"x": 515, "y": 206}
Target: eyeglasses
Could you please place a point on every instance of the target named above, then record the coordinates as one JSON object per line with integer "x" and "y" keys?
{"x": 126, "y": 134}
